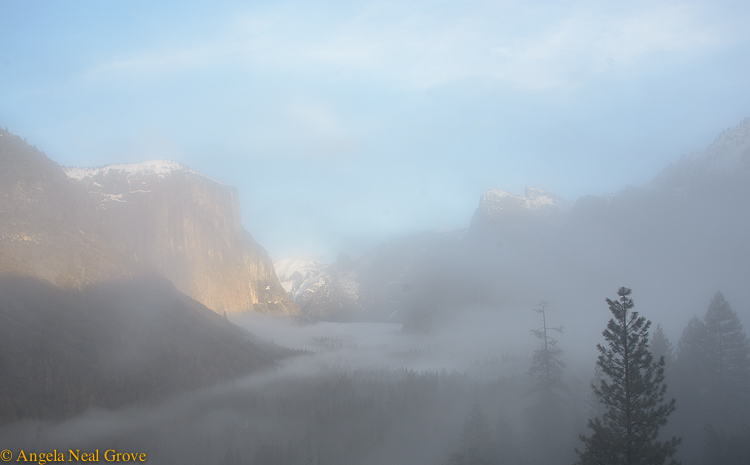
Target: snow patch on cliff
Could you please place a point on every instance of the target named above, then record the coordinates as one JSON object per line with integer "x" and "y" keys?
{"x": 159, "y": 168}
{"x": 534, "y": 199}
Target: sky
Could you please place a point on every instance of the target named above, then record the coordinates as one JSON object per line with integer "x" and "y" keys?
{"x": 346, "y": 124}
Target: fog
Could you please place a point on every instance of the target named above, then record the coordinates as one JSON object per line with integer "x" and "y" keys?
{"x": 375, "y": 232}
{"x": 361, "y": 392}
{"x": 425, "y": 349}
{"x": 343, "y": 127}
{"x": 414, "y": 391}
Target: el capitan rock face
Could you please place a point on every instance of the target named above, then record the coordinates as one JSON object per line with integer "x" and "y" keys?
{"x": 77, "y": 226}
{"x": 189, "y": 227}
{"x": 49, "y": 228}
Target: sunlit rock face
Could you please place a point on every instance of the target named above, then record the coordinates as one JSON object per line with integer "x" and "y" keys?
{"x": 498, "y": 208}
{"x": 48, "y": 227}
{"x": 189, "y": 227}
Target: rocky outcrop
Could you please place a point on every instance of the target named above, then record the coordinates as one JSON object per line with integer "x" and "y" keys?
{"x": 689, "y": 225}
{"x": 722, "y": 168}
{"x": 323, "y": 292}
{"x": 48, "y": 227}
{"x": 189, "y": 227}
{"x": 501, "y": 209}
{"x": 74, "y": 227}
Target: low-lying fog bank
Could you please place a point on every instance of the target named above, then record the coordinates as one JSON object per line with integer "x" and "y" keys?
{"x": 363, "y": 393}
{"x": 372, "y": 393}
{"x": 459, "y": 344}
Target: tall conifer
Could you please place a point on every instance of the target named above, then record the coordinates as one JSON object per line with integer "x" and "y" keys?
{"x": 547, "y": 416}
{"x": 546, "y": 362}
{"x": 728, "y": 348}
{"x": 661, "y": 347}
{"x": 632, "y": 390}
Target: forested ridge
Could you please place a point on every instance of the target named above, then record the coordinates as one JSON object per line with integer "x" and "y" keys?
{"x": 690, "y": 405}
{"x": 109, "y": 345}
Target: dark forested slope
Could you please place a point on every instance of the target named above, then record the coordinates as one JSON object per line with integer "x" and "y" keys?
{"x": 62, "y": 351}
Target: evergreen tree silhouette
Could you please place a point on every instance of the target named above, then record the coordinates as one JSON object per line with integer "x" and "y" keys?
{"x": 632, "y": 390}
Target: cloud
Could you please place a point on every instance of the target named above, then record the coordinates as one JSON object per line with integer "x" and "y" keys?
{"x": 421, "y": 46}
{"x": 318, "y": 130}
{"x": 317, "y": 119}
{"x": 153, "y": 62}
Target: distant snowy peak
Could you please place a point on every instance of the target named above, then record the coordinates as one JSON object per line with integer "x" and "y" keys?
{"x": 294, "y": 271}
{"x": 499, "y": 207}
{"x": 728, "y": 155}
{"x": 158, "y": 168}
{"x": 495, "y": 201}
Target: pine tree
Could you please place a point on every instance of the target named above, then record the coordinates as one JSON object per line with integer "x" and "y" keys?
{"x": 546, "y": 362}
{"x": 661, "y": 347}
{"x": 692, "y": 350}
{"x": 728, "y": 351}
{"x": 632, "y": 391}
{"x": 546, "y": 415}
{"x": 691, "y": 386}
{"x": 713, "y": 379}
{"x": 727, "y": 369}
{"x": 507, "y": 450}
{"x": 477, "y": 446}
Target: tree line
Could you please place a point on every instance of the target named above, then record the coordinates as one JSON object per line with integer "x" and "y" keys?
{"x": 702, "y": 418}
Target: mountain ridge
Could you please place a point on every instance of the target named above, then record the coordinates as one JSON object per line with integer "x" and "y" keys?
{"x": 76, "y": 226}
{"x": 111, "y": 344}
{"x": 516, "y": 247}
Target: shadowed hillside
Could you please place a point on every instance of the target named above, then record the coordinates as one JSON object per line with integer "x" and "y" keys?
{"x": 62, "y": 351}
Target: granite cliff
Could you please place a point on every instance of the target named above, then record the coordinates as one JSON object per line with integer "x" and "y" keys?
{"x": 48, "y": 227}
{"x": 76, "y": 226}
{"x": 189, "y": 227}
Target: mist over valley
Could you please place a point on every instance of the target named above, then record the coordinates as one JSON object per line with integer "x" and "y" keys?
{"x": 454, "y": 233}
{"x": 402, "y": 342}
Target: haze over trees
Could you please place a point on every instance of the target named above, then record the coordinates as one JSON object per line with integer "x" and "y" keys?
{"x": 112, "y": 345}
{"x": 435, "y": 362}
{"x": 711, "y": 378}
{"x": 549, "y": 423}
